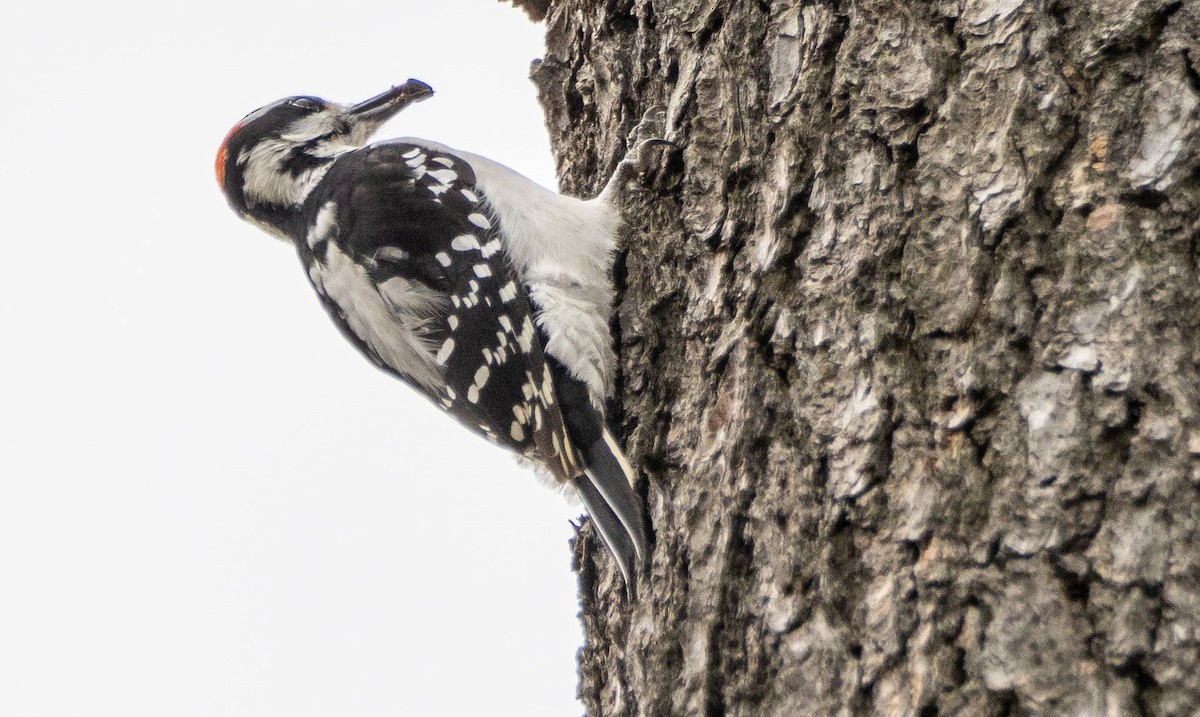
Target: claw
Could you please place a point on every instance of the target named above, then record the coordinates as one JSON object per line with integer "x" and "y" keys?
{"x": 652, "y": 126}
{"x": 649, "y": 132}
{"x": 659, "y": 142}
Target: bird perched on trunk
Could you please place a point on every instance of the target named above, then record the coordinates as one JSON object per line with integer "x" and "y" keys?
{"x": 484, "y": 291}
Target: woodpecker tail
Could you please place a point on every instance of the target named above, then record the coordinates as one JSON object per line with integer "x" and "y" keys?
{"x": 606, "y": 489}
{"x": 606, "y": 486}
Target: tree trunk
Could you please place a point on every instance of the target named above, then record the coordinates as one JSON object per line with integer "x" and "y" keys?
{"x": 909, "y": 332}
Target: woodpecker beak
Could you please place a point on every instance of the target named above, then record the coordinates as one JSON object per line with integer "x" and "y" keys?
{"x": 372, "y": 113}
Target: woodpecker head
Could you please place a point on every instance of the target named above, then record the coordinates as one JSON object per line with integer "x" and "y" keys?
{"x": 272, "y": 159}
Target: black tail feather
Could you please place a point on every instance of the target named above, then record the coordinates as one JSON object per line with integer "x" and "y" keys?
{"x": 607, "y": 486}
{"x": 614, "y": 478}
{"x": 612, "y": 532}
{"x": 607, "y": 492}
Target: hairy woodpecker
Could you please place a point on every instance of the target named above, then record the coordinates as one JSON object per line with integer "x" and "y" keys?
{"x": 484, "y": 291}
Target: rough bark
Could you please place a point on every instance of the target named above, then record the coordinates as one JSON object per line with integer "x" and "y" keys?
{"x": 535, "y": 9}
{"x": 909, "y": 331}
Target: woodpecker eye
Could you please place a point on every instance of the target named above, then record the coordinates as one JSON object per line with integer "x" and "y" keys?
{"x": 305, "y": 104}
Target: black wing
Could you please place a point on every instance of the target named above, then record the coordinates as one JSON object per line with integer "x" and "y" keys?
{"x": 410, "y": 266}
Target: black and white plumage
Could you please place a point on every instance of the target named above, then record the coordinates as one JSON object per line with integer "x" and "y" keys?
{"x": 484, "y": 291}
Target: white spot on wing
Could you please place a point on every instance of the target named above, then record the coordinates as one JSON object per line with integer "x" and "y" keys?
{"x": 464, "y": 242}
{"x": 508, "y": 292}
{"x": 445, "y": 176}
{"x": 443, "y": 354}
{"x": 390, "y": 253}
{"x": 525, "y": 340}
{"x": 547, "y": 386}
{"x": 323, "y": 225}
{"x": 479, "y": 220}
{"x": 483, "y": 271}
{"x": 443, "y": 258}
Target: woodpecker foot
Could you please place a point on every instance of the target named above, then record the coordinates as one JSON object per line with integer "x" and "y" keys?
{"x": 649, "y": 134}
{"x": 650, "y": 131}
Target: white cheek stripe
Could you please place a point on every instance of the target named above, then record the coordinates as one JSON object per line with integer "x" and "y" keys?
{"x": 264, "y": 180}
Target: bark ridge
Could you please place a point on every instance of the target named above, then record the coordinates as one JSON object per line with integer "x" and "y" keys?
{"x": 909, "y": 332}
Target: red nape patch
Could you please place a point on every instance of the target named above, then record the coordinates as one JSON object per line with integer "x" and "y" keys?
{"x": 223, "y": 153}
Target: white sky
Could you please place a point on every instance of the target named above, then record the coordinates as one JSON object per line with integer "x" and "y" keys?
{"x": 209, "y": 503}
